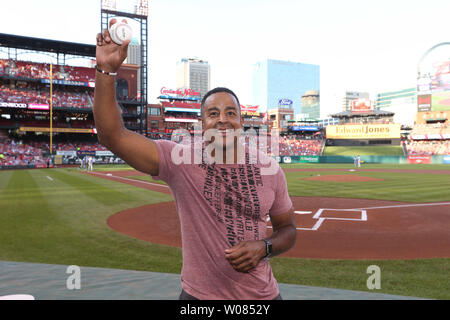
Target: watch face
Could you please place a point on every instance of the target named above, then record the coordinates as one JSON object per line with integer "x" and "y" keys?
{"x": 268, "y": 247}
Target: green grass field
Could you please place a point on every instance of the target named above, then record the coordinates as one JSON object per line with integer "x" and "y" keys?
{"x": 410, "y": 187}
{"x": 364, "y": 151}
{"x": 440, "y": 101}
{"x": 59, "y": 216}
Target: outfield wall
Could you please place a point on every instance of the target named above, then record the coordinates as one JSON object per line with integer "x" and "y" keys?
{"x": 319, "y": 159}
{"x": 366, "y": 159}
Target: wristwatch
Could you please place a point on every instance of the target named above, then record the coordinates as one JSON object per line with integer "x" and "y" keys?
{"x": 268, "y": 248}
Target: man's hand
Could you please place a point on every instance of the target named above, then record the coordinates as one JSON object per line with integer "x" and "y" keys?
{"x": 138, "y": 151}
{"x": 110, "y": 55}
{"x": 246, "y": 255}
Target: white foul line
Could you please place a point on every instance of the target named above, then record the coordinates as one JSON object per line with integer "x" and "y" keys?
{"x": 363, "y": 211}
{"x": 363, "y": 214}
{"x": 318, "y": 213}
{"x": 407, "y": 205}
{"x": 315, "y": 227}
{"x": 134, "y": 180}
{"x": 320, "y": 219}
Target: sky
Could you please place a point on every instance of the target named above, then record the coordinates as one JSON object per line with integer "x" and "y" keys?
{"x": 360, "y": 45}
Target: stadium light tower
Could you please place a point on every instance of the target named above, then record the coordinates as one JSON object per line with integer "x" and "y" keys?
{"x": 136, "y": 10}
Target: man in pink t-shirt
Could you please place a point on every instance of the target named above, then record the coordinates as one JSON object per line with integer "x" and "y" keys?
{"x": 222, "y": 206}
{"x": 222, "y": 201}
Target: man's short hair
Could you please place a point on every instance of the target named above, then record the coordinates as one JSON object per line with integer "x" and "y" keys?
{"x": 216, "y": 90}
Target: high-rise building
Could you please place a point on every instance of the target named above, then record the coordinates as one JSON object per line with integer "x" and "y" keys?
{"x": 134, "y": 52}
{"x": 311, "y": 104}
{"x": 403, "y": 103}
{"x": 134, "y": 57}
{"x": 275, "y": 82}
{"x": 193, "y": 74}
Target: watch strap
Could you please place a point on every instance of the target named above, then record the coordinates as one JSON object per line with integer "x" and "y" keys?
{"x": 105, "y": 72}
{"x": 268, "y": 248}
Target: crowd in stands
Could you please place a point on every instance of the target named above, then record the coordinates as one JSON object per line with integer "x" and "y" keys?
{"x": 72, "y": 99}
{"x": 31, "y": 92}
{"x": 82, "y": 100}
{"x": 290, "y": 145}
{"x": 33, "y": 70}
{"x": 428, "y": 129}
{"x": 293, "y": 145}
{"x": 429, "y": 139}
{"x": 8, "y": 94}
{"x": 160, "y": 136}
{"x": 16, "y": 153}
{"x": 284, "y": 147}
{"x": 79, "y": 146}
{"x": 428, "y": 147}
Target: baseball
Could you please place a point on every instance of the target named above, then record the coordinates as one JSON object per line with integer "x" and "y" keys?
{"x": 120, "y": 31}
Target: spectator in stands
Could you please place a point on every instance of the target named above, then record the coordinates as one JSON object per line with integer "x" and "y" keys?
{"x": 428, "y": 147}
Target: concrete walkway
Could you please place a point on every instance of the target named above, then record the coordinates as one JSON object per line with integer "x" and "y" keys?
{"x": 50, "y": 282}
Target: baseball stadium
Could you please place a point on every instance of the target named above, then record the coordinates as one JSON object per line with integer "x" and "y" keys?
{"x": 389, "y": 209}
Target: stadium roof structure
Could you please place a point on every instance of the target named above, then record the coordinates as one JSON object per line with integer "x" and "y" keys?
{"x": 350, "y": 114}
{"x": 45, "y": 45}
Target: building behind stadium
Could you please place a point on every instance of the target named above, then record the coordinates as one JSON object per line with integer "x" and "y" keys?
{"x": 275, "y": 80}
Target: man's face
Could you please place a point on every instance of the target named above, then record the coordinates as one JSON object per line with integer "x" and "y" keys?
{"x": 222, "y": 112}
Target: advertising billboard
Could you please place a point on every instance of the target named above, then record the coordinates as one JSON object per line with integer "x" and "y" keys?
{"x": 419, "y": 159}
{"x": 249, "y": 108}
{"x": 285, "y": 102}
{"x": 37, "y": 106}
{"x": 363, "y": 131}
{"x": 305, "y": 128}
{"x": 434, "y": 78}
{"x": 90, "y": 84}
{"x": 13, "y": 105}
{"x": 424, "y": 102}
{"x": 361, "y": 105}
{"x": 440, "y": 86}
{"x": 179, "y": 93}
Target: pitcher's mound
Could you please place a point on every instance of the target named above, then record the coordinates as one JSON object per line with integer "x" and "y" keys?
{"x": 342, "y": 178}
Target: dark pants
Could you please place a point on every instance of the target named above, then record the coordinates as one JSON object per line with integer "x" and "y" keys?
{"x": 186, "y": 296}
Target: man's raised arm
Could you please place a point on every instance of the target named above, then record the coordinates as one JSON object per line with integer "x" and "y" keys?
{"x": 135, "y": 149}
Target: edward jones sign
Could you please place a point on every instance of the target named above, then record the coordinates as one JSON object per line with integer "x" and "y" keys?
{"x": 364, "y": 131}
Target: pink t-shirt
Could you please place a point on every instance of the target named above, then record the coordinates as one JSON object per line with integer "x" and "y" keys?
{"x": 220, "y": 205}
